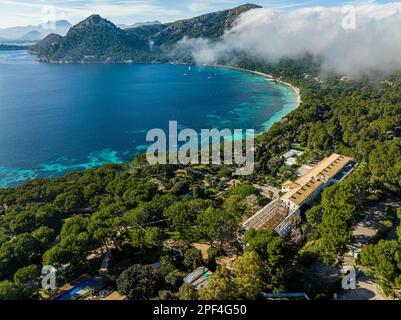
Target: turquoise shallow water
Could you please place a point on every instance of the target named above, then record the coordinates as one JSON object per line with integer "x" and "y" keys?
{"x": 60, "y": 118}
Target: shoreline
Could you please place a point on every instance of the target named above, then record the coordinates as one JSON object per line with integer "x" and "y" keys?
{"x": 294, "y": 88}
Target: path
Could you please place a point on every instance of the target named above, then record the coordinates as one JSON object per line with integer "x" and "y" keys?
{"x": 266, "y": 191}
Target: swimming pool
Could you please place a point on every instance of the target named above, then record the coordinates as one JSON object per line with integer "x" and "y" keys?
{"x": 73, "y": 291}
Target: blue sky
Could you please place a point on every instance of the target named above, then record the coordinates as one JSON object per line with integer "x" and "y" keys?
{"x": 24, "y": 12}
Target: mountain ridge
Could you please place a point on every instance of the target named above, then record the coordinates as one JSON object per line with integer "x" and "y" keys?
{"x": 15, "y": 33}
{"x": 31, "y": 36}
{"x": 138, "y": 24}
{"x": 98, "y": 40}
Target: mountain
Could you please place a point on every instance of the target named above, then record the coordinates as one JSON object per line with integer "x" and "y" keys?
{"x": 98, "y": 40}
{"x": 138, "y": 24}
{"x": 211, "y": 25}
{"x": 92, "y": 40}
{"x": 15, "y": 33}
{"x": 31, "y": 36}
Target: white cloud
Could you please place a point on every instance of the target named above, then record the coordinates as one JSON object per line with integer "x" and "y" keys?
{"x": 374, "y": 44}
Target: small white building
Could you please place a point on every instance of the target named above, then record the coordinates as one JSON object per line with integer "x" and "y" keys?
{"x": 290, "y": 157}
{"x": 198, "y": 278}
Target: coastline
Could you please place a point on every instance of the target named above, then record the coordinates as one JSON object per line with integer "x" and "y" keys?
{"x": 294, "y": 88}
{"x": 287, "y": 108}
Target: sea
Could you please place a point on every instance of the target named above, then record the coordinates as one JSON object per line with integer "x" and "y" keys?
{"x": 58, "y": 118}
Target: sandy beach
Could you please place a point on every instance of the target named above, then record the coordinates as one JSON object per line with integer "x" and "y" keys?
{"x": 270, "y": 77}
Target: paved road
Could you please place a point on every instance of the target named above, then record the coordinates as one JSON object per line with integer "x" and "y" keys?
{"x": 369, "y": 220}
{"x": 364, "y": 230}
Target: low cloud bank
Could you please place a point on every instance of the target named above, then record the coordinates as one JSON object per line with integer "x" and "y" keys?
{"x": 351, "y": 40}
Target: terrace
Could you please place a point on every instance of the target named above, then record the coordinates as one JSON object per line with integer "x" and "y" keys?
{"x": 270, "y": 216}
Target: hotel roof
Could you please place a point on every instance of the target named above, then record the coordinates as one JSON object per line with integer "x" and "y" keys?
{"x": 269, "y": 216}
{"x": 298, "y": 196}
{"x": 321, "y": 173}
{"x": 290, "y": 185}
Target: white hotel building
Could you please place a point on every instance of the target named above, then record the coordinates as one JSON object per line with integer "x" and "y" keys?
{"x": 281, "y": 213}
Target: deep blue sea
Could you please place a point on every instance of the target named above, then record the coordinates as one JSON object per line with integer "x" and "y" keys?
{"x": 59, "y": 118}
